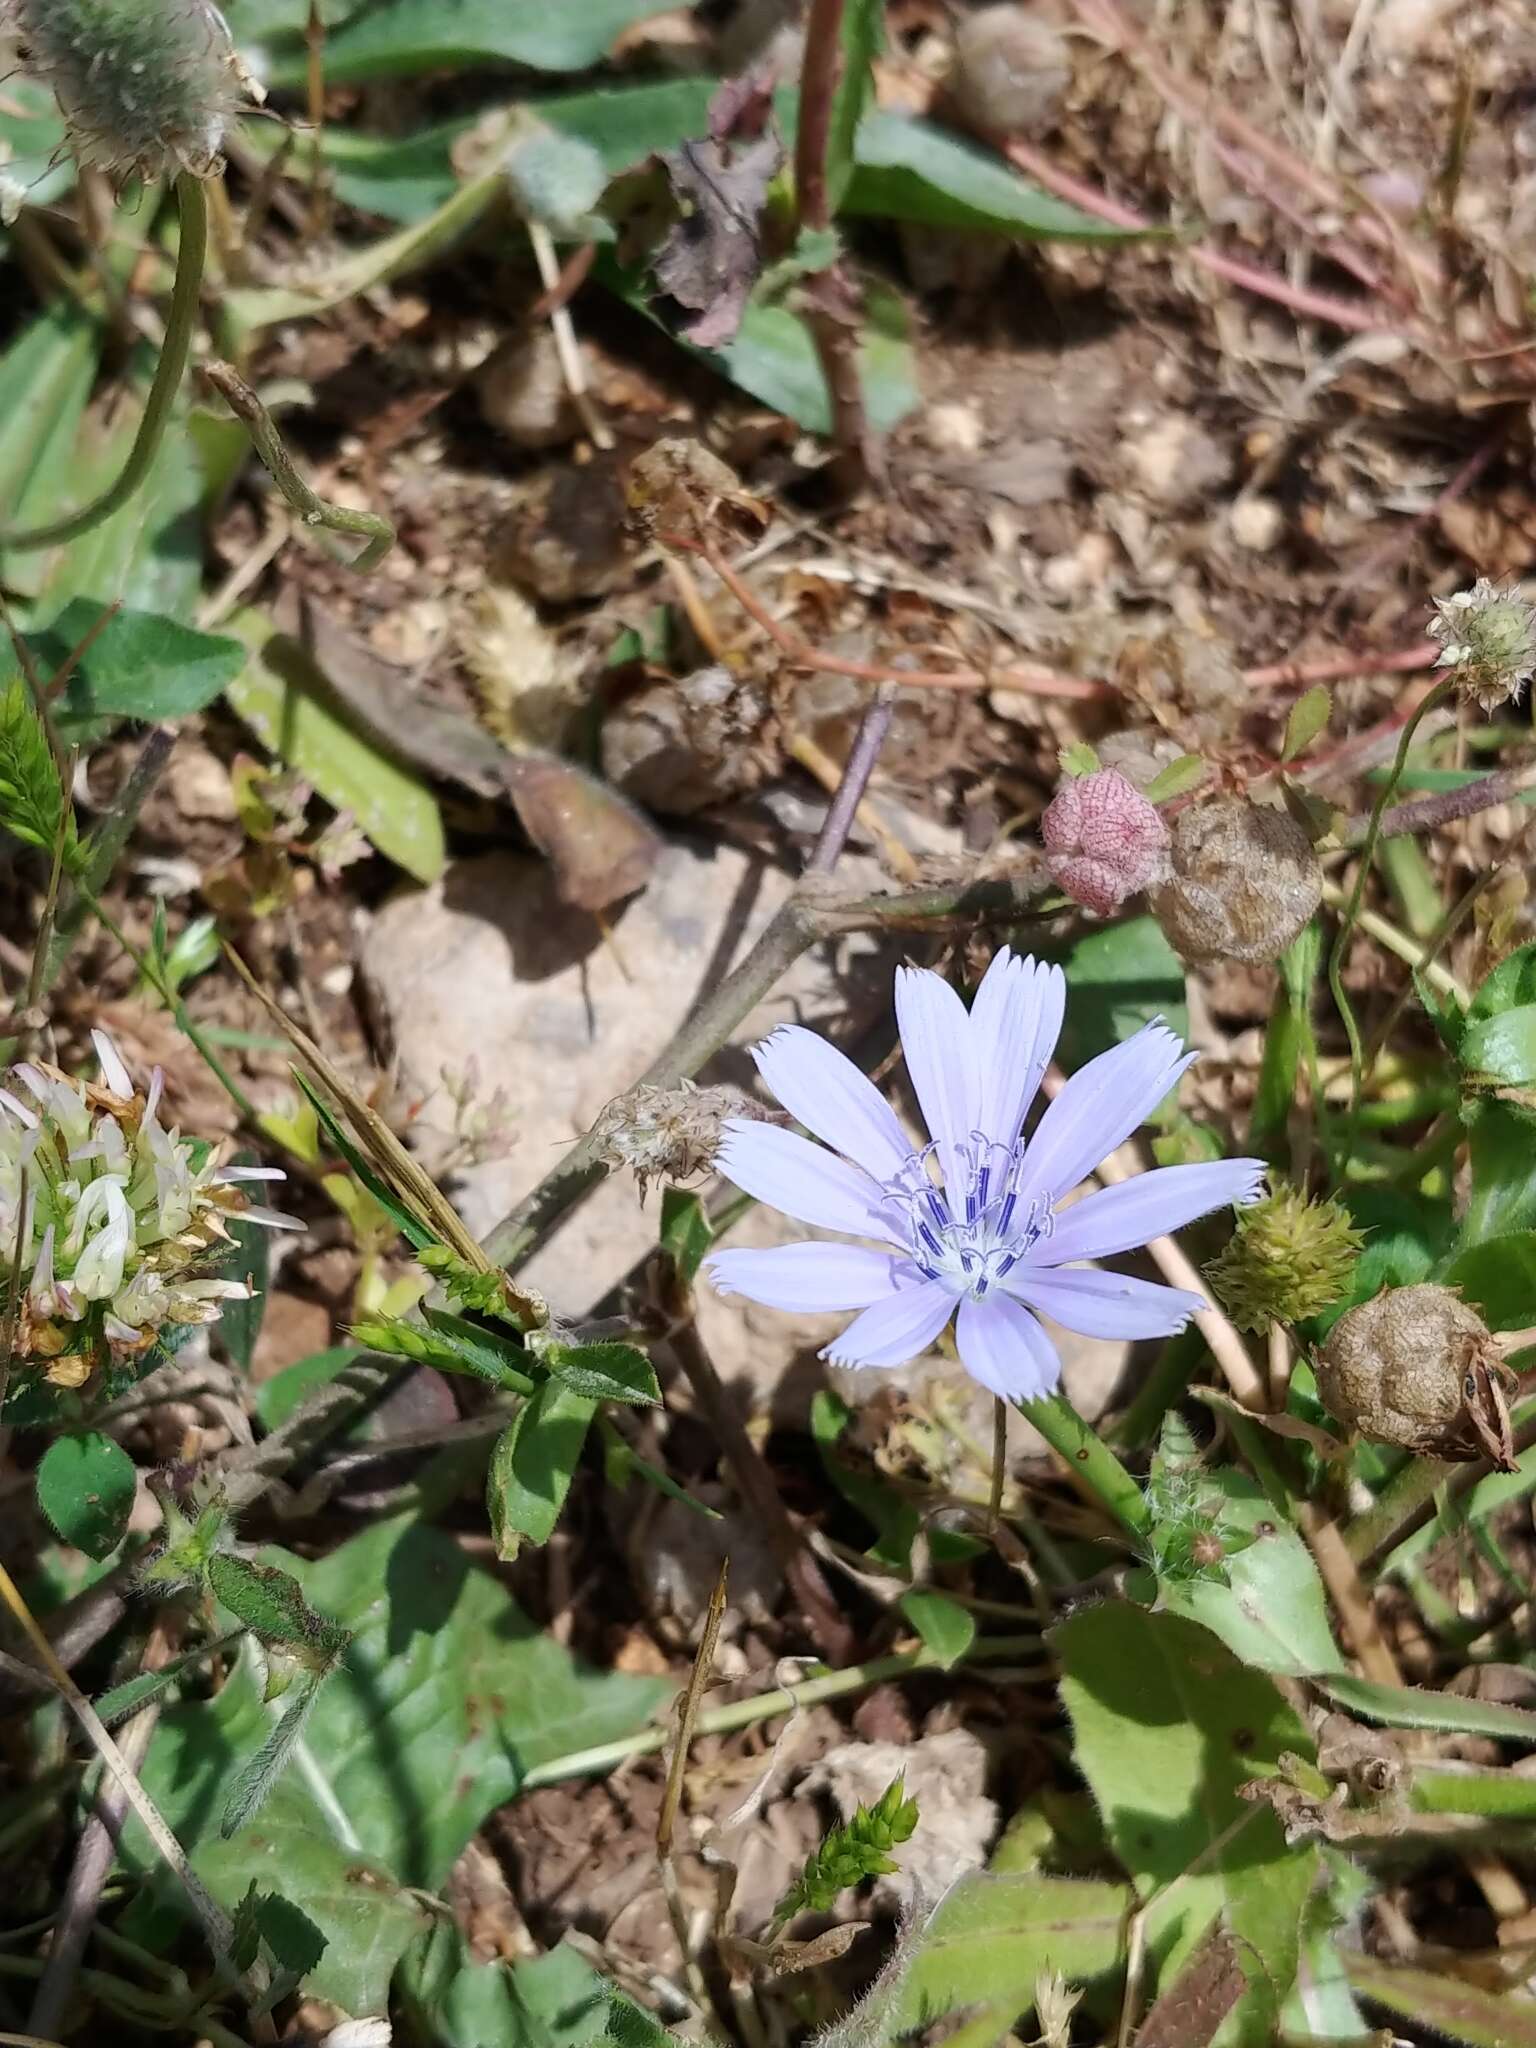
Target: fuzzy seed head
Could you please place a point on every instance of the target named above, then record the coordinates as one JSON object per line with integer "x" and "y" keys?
{"x": 146, "y": 87}
{"x": 671, "y": 1134}
{"x": 1488, "y": 637}
{"x": 1011, "y": 71}
{"x": 1404, "y": 1368}
{"x": 1244, "y": 881}
{"x": 1289, "y": 1258}
{"x": 1103, "y": 840}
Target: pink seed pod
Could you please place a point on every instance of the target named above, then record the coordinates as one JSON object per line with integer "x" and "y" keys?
{"x": 1103, "y": 840}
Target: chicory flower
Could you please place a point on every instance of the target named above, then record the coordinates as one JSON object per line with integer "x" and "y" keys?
{"x": 975, "y": 1224}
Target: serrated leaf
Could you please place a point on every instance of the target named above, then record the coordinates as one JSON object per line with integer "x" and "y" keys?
{"x": 686, "y": 1235}
{"x": 285, "y": 699}
{"x": 295, "y": 1941}
{"x": 1309, "y": 715}
{"x": 601, "y": 1372}
{"x": 1168, "y": 1727}
{"x": 532, "y": 1464}
{"x": 1186, "y": 773}
{"x": 947, "y": 1628}
{"x": 85, "y": 1488}
{"x": 448, "y": 1695}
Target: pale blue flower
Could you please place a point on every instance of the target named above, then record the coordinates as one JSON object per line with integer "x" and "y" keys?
{"x": 974, "y": 1224}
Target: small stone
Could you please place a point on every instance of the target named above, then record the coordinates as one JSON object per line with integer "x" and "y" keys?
{"x": 200, "y": 786}
{"x": 1011, "y": 71}
{"x": 1175, "y": 462}
{"x": 523, "y": 393}
{"x": 953, "y": 428}
{"x": 1256, "y": 523}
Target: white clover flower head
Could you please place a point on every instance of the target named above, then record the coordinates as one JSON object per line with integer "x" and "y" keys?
{"x": 1488, "y": 636}
{"x": 117, "y": 1218}
{"x": 975, "y": 1224}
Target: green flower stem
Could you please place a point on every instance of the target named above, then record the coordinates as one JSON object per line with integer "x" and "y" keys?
{"x": 604, "y": 1756}
{"x": 1406, "y": 1494}
{"x": 1091, "y": 1460}
{"x": 312, "y": 509}
{"x": 181, "y": 320}
{"x": 1491, "y": 1795}
{"x": 1352, "y": 910}
{"x": 168, "y": 995}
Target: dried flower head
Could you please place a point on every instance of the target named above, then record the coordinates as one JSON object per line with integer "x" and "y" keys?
{"x": 974, "y": 1224}
{"x": 146, "y": 87}
{"x": 117, "y": 1219}
{"x": 1011, "y": 71}
{"x": 1243, "y": 882}
{"x": 1289, "y": 1258}
{"x": 672, "y": 1134}
{"x": 1488, "y": 637}
{"x": 1103, "y": 840}
{"x": 1417, "y": 1367}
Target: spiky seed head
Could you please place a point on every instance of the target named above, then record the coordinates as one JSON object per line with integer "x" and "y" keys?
{"x": 1289, "y": 1258}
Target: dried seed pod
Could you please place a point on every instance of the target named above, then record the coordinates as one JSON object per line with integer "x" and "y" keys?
{"x": 1244, "y": 882}
{"x": 1012, "y": 70}
{"x": 679, "y": 745}
{"x": 1103, "y": 840}
{"x": 1418, "y": 1368}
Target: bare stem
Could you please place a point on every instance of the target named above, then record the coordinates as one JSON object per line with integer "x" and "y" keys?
{"x": 868, "y": 741}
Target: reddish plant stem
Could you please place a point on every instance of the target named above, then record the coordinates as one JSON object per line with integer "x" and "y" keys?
{"x": 818, "y": 91}
{"x": 1309, "y": 304}
{"x": 1332, "y": 668}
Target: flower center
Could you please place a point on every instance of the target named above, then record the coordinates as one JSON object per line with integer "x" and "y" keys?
{"x": 972, "y": 1235}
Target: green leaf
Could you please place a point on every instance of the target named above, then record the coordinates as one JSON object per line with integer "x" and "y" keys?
{"x": 271, "y": 1603}
{"x": 258, "y": 1776}
{"x": 85, "y": 1488}
{"x": 45, "y": 380}
{"x": 987, "y": 1942}
{"x": 282, "y": 695}
{"x": 1498, "y": 1278}
{"x": 1287, "y": 1044}
{"x": 1413, "y": 1706}
{"x": 554, "y": 2001}
{"x": 1452, "y": 2006}
{"x": 1501, "y": 1050}
{"x": 909, "y": 170}
{"x": 532, "y": 1464}
{"x": 1271, "y": 1611}
{"x": 686, "y": 1235}
{"x": 1511, "y": 986}
{"x": 1501, "y": 1149}
{"x": 405, "y": 1220}
{"x": 1180, "y": 776}
{"x": 1117, "y": 980}
{"x": 1309, "y": 715}
{"x": 947, "y": 1628}
{"x": 600, "y": 1372}
{"x": 144, "y": 1686}
{"x": 487, "y": 1353}
{"x": 399, "y": 38}
{"x": 277, "y": 1397}
{"x": 448, "y": 1695}
{"x": 862, "y": 37}
{"x": 140, "y": 665}
{"x": 1169, "y": 1727}
{"x": 773, "y": 358}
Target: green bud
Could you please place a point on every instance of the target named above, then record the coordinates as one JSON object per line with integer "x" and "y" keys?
{"x": 145, "y": 86}
{"x": 1289, "y": 1258}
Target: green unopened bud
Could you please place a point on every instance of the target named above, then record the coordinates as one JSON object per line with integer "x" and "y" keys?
{"x": 145, "y": 86}
{"x": 1289, "y": 1258}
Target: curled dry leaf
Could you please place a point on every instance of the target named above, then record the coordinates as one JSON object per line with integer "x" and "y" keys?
{"x": 712, "y": 255}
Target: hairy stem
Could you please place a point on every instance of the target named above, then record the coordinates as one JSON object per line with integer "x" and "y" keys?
{"x": 181, "y": 320}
